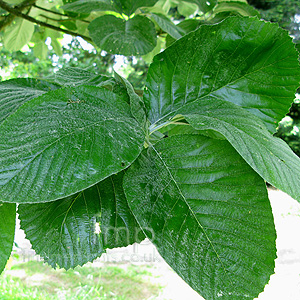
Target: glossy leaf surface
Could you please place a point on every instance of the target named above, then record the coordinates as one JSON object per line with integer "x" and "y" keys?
{"x": 75, "y": 230}
{"x": 136, "y": 36}
{"x": 7, "y": 232}
{"x": 66, "y": 141}
{"x": 15, "y": 92}
{"x": 211, "y": 219}
{"x": 241, "y": 60}
{"x": 269, "y": 156}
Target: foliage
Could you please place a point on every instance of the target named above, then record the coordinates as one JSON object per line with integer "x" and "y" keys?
{"x": 280, "y": 11}
{"x": 93, "y": 165}
{"x": 28, "y": 64}
{"x": 127, "y": 27}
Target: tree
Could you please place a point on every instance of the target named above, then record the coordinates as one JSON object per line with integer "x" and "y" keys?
{"x": 185, "y": 164}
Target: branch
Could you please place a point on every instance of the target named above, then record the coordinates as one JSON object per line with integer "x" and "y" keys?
{"x": 7, "y": 20}
{"x": 18, "y": 13}
{"x": 57, "y": 13}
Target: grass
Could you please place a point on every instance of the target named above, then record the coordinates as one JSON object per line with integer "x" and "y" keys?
{"x": 35, "y": 280}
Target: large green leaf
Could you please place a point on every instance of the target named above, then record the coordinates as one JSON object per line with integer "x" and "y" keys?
{"x": 65, "y": 141}
{"x": 209, "y": 215}
{"x": 136, "y": 36}
{"x": 7, "y": 231}
{"x": 127, "y": 7}
{"x": 243, "y": 60}
{"x": 15, "y": 92}
{"x": 269, "y": 156}
{"x": 78, "y": 229}
{"x": 18, "y": 34}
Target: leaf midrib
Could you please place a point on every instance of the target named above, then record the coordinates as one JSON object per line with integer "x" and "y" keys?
{"x": 193, "y": 214}
{"x": 211, "y": 93}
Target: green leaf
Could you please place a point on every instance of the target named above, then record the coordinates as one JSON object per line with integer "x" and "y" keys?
{"x": 209, "y": 214}
{"x": 160, "y": 44}
{"x": 245, "y": 61}
{"x": 55, "y": 43}
{"x": 269, "y": 156}
{"x": 87, "y": 6}
{"x": 167, "y": 25}
{"x": 130, "y": 6}
{"x": 40, "y": 50}
{"x": 186, "y": 27}
{"x": 241, "y": 8}
{"x": 66, "y": 141}
{"x": 15, "y": 92}
{"x": 71, "y": 76}
{"x": 71, "y": 25}
{"x": 127, "y": 7}
{"x": 7, "y": 232}
{"x": 75, "y": 230}
{"x": 186, "y": 9}
{"x": 204, "y": 5}
{"x": 137, "y": 105}
{"x": 136, "y": 36}
{"x": 18, "y": 34}
{"x": 57, "y": 47}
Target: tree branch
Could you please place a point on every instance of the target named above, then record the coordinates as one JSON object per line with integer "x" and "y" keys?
{"x": 18, "y": 13}
{"x": 58, "y": 13}
{"x": 7, "y": 20}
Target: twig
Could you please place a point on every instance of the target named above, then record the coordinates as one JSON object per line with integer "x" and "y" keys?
{"x": 18, "y": 13}
{"x": 7, "y": 20}
{"x": 57, "y": 13}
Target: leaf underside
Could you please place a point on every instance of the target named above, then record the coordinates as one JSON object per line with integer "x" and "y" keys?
{"x": 210, "y": 218}
{"x": 136, "y": 36}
